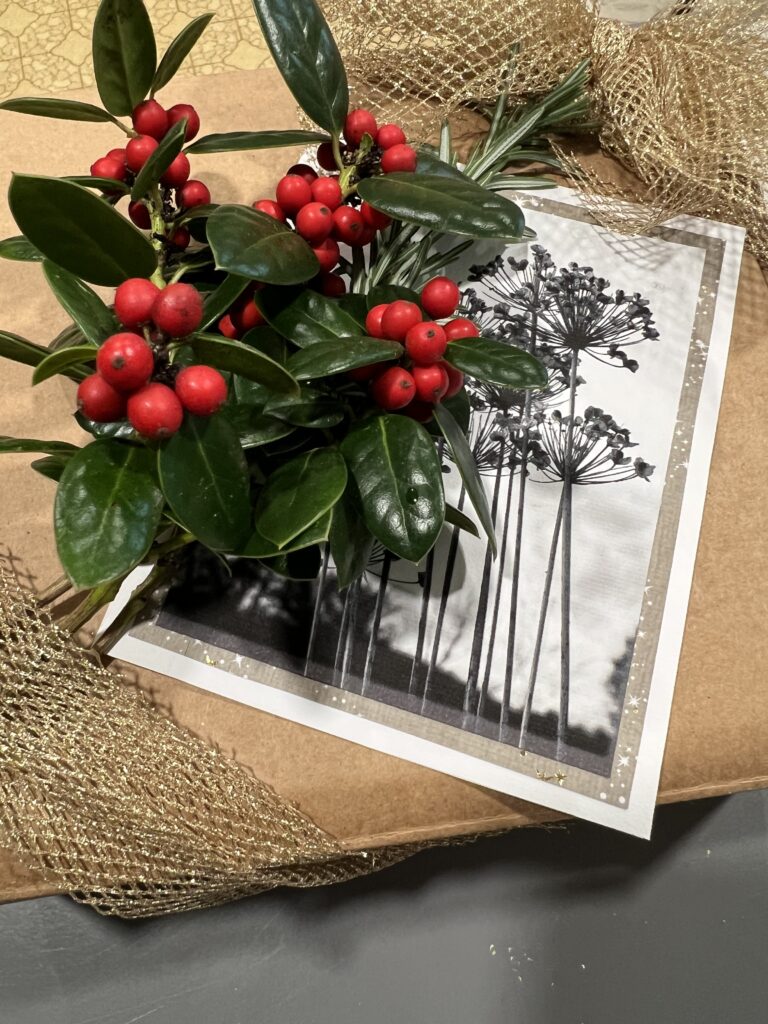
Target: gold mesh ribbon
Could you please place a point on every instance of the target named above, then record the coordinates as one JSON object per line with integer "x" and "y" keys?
{"x": 113, "y": 803}
{"x": 682, "y": 101}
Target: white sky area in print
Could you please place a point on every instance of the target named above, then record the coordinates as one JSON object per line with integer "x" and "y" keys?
{"x": 613, "y": 524}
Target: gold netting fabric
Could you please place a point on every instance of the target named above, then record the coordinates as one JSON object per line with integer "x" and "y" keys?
{"x": 681, "y": 101}
{"x": 113, "y": 803}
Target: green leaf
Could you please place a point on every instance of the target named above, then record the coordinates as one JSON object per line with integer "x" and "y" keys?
{"x": 52, "y": 466}
{"x": 305, "y": 317}
{"x": 62, "y": 360}
{"x": 124, "y": 54}
{"x": 204, "y": 477}
{"x": 298, "y": 493}
{"x": 195, "y": 217}
{"x": 107, "y": 511}
{"x": 430, "y": 163}
{"x": 160, "y": 160}
{"x": 220, "y": 299}
{"x": 386, "y": 293}
{"x": 79, "y": 231}
{"x": 65, "y": 110}
{"x": 351, "y": 540}
{"x": 329, "y": 357}
{"x": 459, "y": 407}
{"x": 311, "y": 409}
{"x": 467, "y": 467}
{"x": 19, "y": 248}
{"x": 25, "y": 444}
{"x": 102, "y": 184}
{"x": 91, "y": 315}
{"x": 120, "y": 429}
{"x": 255, "y": 427}
{"x": 244, "y": 360}
{"x": 247, "y": 242}
{"x": 306, "y": 54}
{"x": 496, "y": 363}
{"x": 268, "y": 341}
{"x": 259, "y": 547}
{"x": 456, "y": 517}
{"x": 444, "y": 204}
{"x": 397, "y": 472}
{"x": 177, "y": 52}
{"x": 232, "y": 142}
{"x": 20, "y": 350}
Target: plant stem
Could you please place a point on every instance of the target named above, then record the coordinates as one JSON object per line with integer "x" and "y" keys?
{"x": 138, "y": 599}
{"x": 56, "y": 590}
{"x": 157, "y": 234}
{"x": 93, "y": 602}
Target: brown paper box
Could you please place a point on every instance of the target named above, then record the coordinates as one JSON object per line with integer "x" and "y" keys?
{"x": 718, "y": 738}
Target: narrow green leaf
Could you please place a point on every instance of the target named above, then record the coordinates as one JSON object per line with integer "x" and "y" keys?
{"x": 250, "y": 243}
{"x": 102, "y": 184}
{"x": 496, "y": 363}
{"x": 124, "y": 54}
{"x": 65, "y": 110}
{"x": 329, "y": 357}
{"x": 91, "y": 315}
{"x": 177, "y": 52}
{"x": 444, "y": 204}
{"x": 220, "y": 299}
{"x": 351, "y": 540}
{"x": 204, "y": 477}
{"x": 26, "y": 444}
{"x": 305, "y": 317}
{"x": 79, "y": 231}
{"x": 160, "y": 160}
{"x": 20, "y": 350}
{"x": 306, "y": 54}
{"x": 298, "y": 493}
{"x": 467, "y": 467}
{"x": 244, "y": 360}
{"x": 397, "y": 471}
{"x": 231, "y": 142}
{"x": 62, "y": 360}
{"x": 456, "y": 517}
{"x": 259, "y": 547}
{"x": 107, "y": 511}
{"x": 19, "y": 248}
{"x": 311, "y": 409}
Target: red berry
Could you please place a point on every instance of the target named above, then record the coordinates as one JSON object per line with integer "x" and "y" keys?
{"x": 314, "y": 222}
{"x": 378, "y": 221}
{"x": 348, "y": 224}
{"x": 390, "y": 135}
{"x": 178, "y": 310}
{"x": 270, "y": 207}
{"x": 431, "y": 382}
{"x": 201, "y": 390}
{"x": 134, "y": 299}
{"x": 155, "y": 411}
{"x": 117, "y": 154}
{"x": 327, "y": 254}
{"x": 303, "y": 171}
{"x": 245, "y": 315}
{"x": 125, "y": 361}
{"x": 440, "y": 297}
{"x": 181, "y": 238}
{"x": 425, "y": 343}
{"x": 139, "y": 150}
{"x": 140, "y": 215}
{"x": 108, "y": 167}
{"x": 149, "y": 118}
{"x": 398, "y": 318}
{"x": 193, "y": 193}
{"x": 177, "y": 173}
{"x": 394, "y": 388}
{"x": 460, "y": 328}
{"x": 455, "y": 379}
{"x": 399, "y": 158}
{"x": 332, "y": 285}
{"x": 181, "y": 110}
{"x": 359, "y": 122}
{"x": 227, "y": 328}
{"x": 366, "y": 236}
{"x": 420, "y": 411}
{"x": 328, "y": 191}
{"x": 373, "y": 325}
{"x": 99, "y": 401}
{"x": 325, "y": 157}
{"x": 292, "y": 193}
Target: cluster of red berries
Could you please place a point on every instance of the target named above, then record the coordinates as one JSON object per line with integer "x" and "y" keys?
{"x": 151, "y": 122}
{"x": 126, "y": 363}
{"x": 424, "y": 377}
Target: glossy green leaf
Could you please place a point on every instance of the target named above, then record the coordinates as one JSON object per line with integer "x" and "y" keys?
{"x": 467, "y": 467}
{"x": 385, "y": 293}
{"x": 19, "y": 248}
{"x": 430, "y": 163}
{"x": 444, "y": 204}
{"x": 298, "y": 493}
{"x": 255, "y": 427}
{"x": 204, "y": 477}
{"x": 71, "y": 335}
{"x": 63, "y": 360}
{"x": 268, "y": 341}
{"x": 178, "y": 51}
{"x": 20, "y": 350}
{"x": 305, "y": 317}
{"x": 26, "y": 444}
{"x": 397, "y": 471}
{"x": 456, "y": 517}
{"x": 120, "y": 429}
{"x": 310, "y": 409}
{"x": 306, "y": 54}
{"x": 351, "y": 540}
{"x": 196, "y": 216}
{"x": 459, "y": 407}
{"x": 79, "y": 231}
{"x": 91, "y": 315}
{"x": 160, "y": 160}
{"x": 65, "y": 110}
{"x": 329, "y": 357}
{"x": 231, "y": 142}
{"x": 496, "y": 363}
{"x": 244, "y": 360}
{"x": 124, "y": 54}
{"x": 259, "y": 547}
{"x": 101, "y": 184}
{"x": 220, "y": 299}
{"x": 107, "y": 511}
{"x": 250, "y": 243}
{"x": 52, "y": 466}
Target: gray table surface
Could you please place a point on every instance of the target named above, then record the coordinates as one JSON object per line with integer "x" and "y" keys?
{"x": 574, "y": 925}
